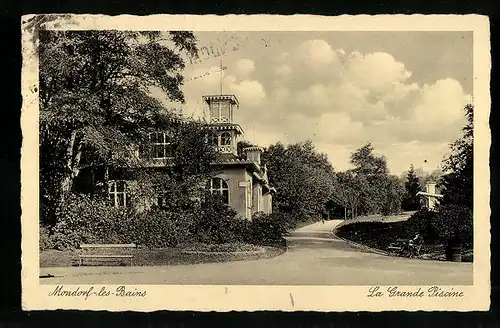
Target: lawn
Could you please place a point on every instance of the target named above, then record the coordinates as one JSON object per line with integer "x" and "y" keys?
{"x": 403, "y": 216}
{"x": 187, "y": 254}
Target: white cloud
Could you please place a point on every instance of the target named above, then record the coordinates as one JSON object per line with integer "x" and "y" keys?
{"x": 316, "y": 53}
{"x": 340, "y": 101}
{"x": 250, "y": 92}
{"x": 282, "y": 72}
{"x": 441, "y": 102}
{"x": 377, "y": 72}
{"x": 244, "y": 68}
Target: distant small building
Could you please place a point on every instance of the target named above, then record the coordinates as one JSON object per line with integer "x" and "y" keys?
{"x": 430, "y": 198}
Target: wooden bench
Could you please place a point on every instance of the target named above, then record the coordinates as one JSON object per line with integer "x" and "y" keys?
{"x": 106, "y": 252}
{"x": 401, "y": 244}
{"x": 397, "y": 247}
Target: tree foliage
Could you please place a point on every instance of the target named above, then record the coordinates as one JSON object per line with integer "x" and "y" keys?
{"x": 96, "y": 106}
{"x": 412, "y": 187}
{"x": 302, "y": 178}
{"x": 367, "y": 188}
{"x": 457, "y": 181}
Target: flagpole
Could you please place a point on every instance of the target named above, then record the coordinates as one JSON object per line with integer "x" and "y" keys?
{"x": 221, "y": 71}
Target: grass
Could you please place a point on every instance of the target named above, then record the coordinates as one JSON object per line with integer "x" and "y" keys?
{"x": 403, "y": 216}
{"x": 188, "y": 254}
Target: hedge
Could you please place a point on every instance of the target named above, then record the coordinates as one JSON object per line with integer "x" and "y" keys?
{"x": 85, "y": 219}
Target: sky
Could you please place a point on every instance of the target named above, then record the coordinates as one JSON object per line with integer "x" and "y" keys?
{"x": 402, "y": 91}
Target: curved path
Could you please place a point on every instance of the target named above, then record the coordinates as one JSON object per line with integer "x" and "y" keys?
{"x": 314, "y": 257}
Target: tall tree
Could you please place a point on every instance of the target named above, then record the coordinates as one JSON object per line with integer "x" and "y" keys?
{"x": 394, "y": 193}
{"x": 95, "y": 99}
{"x": 347, "y": 191}
{"x": 372, "y": 172}
{"x": 367, "y": 163}
{"x": 457, "y": 180}
{"x": 412, "y": 187}
{"x": 302, "y": 178}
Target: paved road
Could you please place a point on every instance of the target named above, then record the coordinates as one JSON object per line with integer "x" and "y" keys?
{"x": 314, "y": 257}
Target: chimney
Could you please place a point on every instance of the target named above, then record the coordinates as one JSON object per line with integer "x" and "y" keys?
{"x": 430, "y": 188}
{"x": 253, "y": 154}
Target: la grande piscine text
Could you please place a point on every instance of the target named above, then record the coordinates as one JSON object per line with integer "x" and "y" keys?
{"x": 396, "y": 291}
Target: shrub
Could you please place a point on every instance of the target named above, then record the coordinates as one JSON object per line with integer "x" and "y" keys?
{"x": 421, "y": 222}
{"x": 44, "y": 242}
{"x": 268, "y": 229}
{"x": 157, "y": 228}
{"x": 218, "y": 223}
{"x": 372, "y": 233}
{"x": 85, "y": 219}
{"x": 455, "y": 221}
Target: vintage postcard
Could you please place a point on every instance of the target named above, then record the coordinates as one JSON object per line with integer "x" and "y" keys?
{"x": 260, "y": 162}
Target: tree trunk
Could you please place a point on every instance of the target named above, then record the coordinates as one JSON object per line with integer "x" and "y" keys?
{"x": 74, "y": 157}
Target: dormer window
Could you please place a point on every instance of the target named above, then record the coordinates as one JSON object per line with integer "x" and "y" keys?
{"x": 161, "y": 146}
{"x": 225, "y": 139}
{"x": 213, "y": 139}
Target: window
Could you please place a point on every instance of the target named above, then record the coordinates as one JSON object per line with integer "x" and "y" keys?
{"x": 225, "y": 139}
{"x": 161, "y": 146}
{"x": 214, "y": 139}
{"x": 117, "y": 192}
{"x": 220, "y": 112}
{"x": 218, "y": 186}
{"x": 214, "y": 111}
{"x": 224, "y": 112}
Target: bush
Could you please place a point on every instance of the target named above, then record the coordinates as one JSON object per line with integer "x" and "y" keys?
{"x": 44, "y": 242}
{"x": 421, "y": 222}
{"x": 157, "y": 228}
{"x": 85, "y": 219}
{"x": 218, "y": 223}
{"x": 268, "y": 229}
{"x": 455, "y": 222}
{"x": 372, "y": 233}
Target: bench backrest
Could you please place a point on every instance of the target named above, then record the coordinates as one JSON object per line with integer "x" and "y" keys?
{"x": 110, "y": 249}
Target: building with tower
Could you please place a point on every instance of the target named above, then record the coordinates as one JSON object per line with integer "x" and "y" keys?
{"x": 241, "y": 180}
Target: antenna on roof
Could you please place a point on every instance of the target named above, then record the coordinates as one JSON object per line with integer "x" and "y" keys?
{"x": 222, "y": 68}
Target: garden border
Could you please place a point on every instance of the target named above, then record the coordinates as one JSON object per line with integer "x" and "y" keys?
{"x": 361, "y": 246}
{"x": 265, "y": 252}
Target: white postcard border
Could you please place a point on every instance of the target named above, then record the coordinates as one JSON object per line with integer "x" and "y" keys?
{"x": 284, "y": 298}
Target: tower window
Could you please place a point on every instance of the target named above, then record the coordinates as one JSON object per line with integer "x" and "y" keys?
{"x": 118, "y": 193}
{"x": 217, "y": 186}
{"x": 225, "y": 139}
{"x": 220, "y": 112}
